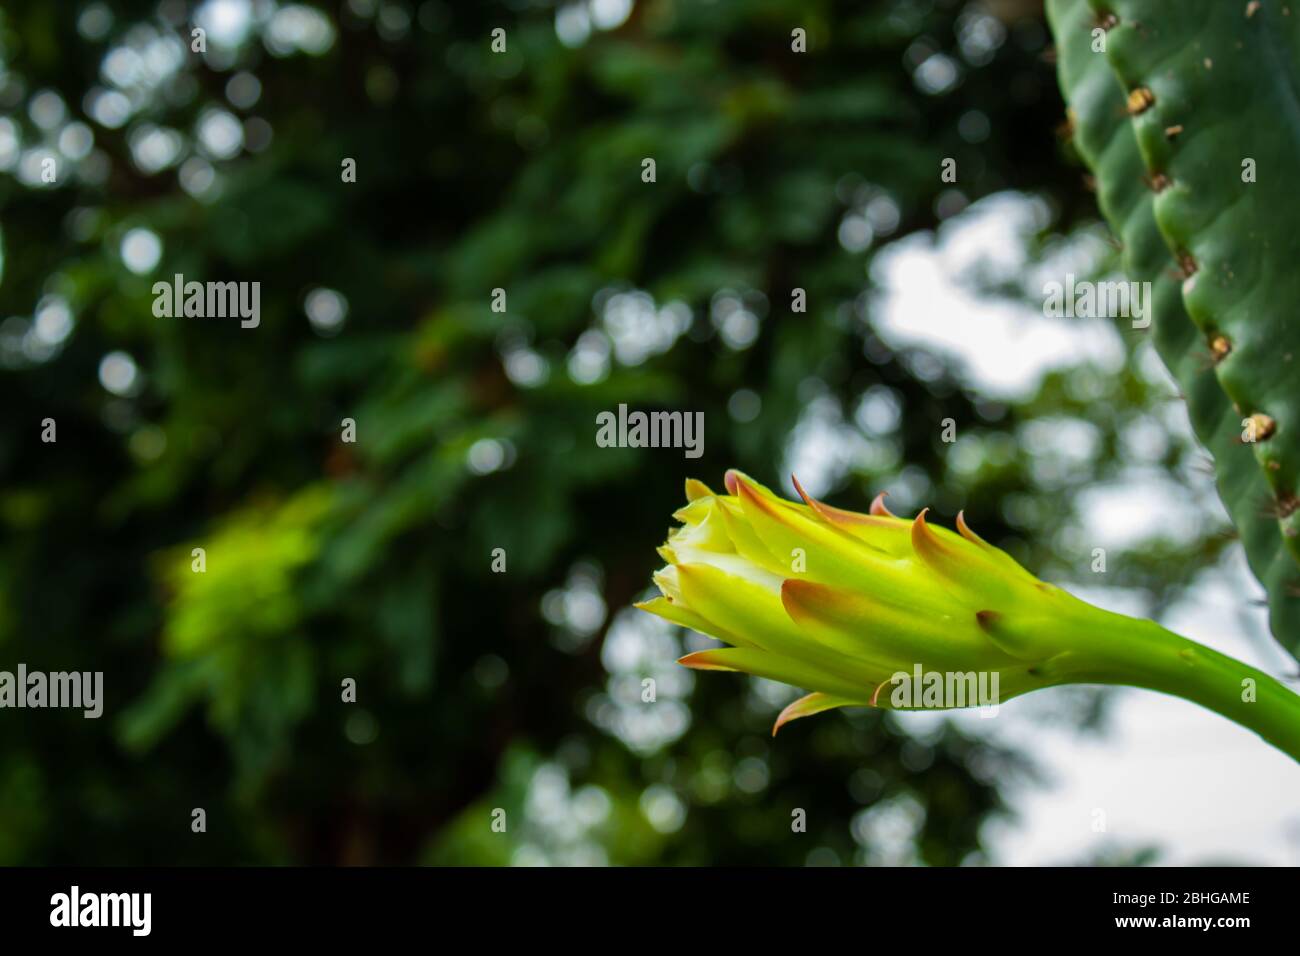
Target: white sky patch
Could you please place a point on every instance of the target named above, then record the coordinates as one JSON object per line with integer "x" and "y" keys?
{"x": 1003, "y": 348}
{"x": 108, "y": 108}
{"x": 1139, "y": 506}
{"x": 118, "y": 373}
{"x": 298, "y": 28}
{"x": 219, "y": 133}
{"x": 326, "y": 310}
{"x": 637, "y": 326}
{"x": 227, "y": 22}
{"x": 141, "y": 249}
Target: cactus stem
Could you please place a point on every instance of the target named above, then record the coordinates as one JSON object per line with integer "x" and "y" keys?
{"x": 1170, "y": 664}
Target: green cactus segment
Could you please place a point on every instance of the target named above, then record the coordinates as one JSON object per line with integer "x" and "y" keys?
{"x": 1129, "y": 192}
{"x": 1218, "y": 84}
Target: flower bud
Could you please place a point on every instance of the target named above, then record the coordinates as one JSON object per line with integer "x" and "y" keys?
{"x": 845, "y": 604}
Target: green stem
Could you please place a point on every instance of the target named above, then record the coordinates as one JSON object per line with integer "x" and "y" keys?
{"x": 1143, "y": 654}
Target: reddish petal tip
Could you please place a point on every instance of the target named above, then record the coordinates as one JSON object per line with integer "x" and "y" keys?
{"x": 924, "y": 541}
{"x": 964, "y": 530}
{"x": 795, "y": 597}
{"x": 830, "y": 515}
{"x": 814, "y": 703}
{"x": 878, "y": 507}
{"x": 802, "y": 494}
{"x": 732, "y": 480}
{"x": 876, "y": 694}
{"x": 701, "y": 661}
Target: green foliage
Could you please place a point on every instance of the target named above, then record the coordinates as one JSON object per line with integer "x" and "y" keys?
{"x": 329, "y": 560}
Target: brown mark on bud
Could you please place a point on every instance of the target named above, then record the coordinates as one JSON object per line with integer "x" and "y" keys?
{"x": 1264, "y": 426}
{"x": 1140, "y": 100}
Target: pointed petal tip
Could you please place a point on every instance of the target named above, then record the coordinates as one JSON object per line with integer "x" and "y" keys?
{"x": 853, "y": 523}
{"x": 804, "y": 600}
{"x": 750, "y": 495}
{"x": 787, "y": 714}
{"x": 875, "y": 695}
{"x": 878, "y": 507}
{"x": 794, "y": 480}
{"x": 836, "y": 517}
{"x": 925, "y": 542}
{"x": 702, "y": 661}
{"x": 742, "y": 486}
{"x": 965, "y": 531}
{"x": 697, "y": 489}
{"x": 656, "y": 606}
{"x": 827, "y": 514}
{"x": 922, "y": 536}
{"x": 814, "y": 703}
{"x": 790, "y": 596}
{"x": 784, "y": 718}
